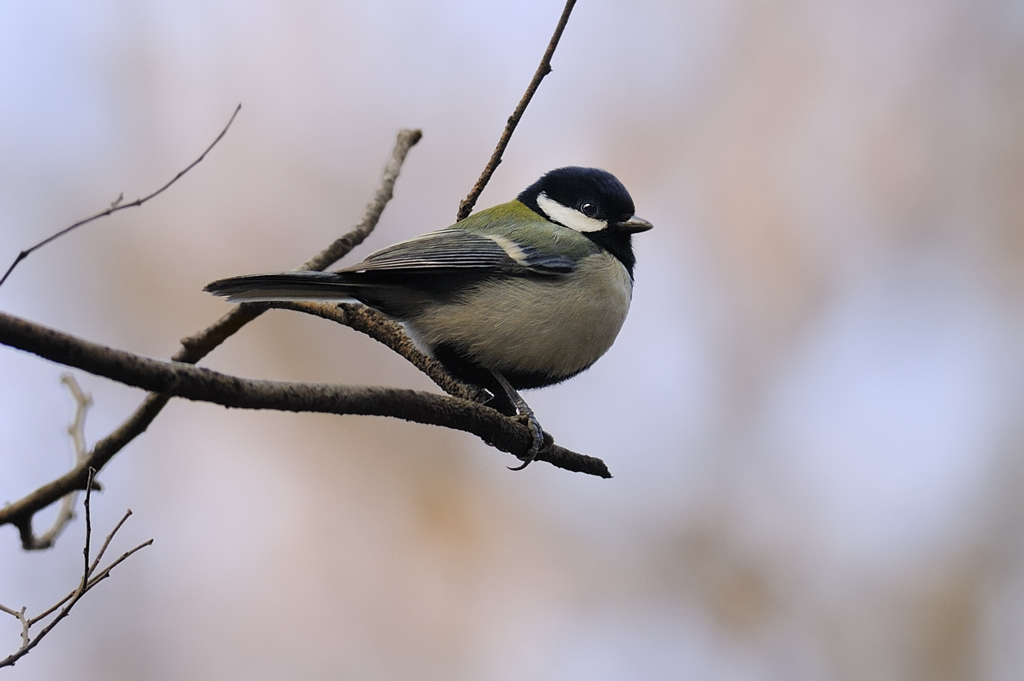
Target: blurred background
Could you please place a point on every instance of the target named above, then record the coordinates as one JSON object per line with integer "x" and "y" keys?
{"x": 813, "y": 414}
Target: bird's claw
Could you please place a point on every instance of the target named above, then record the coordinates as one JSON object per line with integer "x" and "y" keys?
{"x": 525, "y": 416}
{"x": 531, "y": 422}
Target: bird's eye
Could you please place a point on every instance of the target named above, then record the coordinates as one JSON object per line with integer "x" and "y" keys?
{"x": 589, "y": 209}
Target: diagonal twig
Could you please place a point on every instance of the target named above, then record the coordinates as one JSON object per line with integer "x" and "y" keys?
{"x": 543, "y": 69}
{"x": 76, "y": 430}
{"x": 118, "y": 205}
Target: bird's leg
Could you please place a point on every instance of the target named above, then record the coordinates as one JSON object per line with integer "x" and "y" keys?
{"x": 527, "y": 415}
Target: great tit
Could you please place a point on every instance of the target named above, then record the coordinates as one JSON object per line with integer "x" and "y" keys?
{"x": 521, "y": 295}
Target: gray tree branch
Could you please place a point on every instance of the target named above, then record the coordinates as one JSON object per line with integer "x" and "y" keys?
{"x": 178, "y": 379}
{"x": 65, "y": 514}
{"x": 543, "y": 69}
{"x": 118, "y": 203}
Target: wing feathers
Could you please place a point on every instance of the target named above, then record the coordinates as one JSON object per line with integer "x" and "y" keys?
{"x": 458, "y": 249}
{"x": 431, "y": 254}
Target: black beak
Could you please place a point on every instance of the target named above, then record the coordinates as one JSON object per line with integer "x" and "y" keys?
{"x": 634, "y": 225}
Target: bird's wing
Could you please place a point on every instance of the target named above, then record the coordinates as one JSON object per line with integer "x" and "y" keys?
{"x": 457, "y": 249}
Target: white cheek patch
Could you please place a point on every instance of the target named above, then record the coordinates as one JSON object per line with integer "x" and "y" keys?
{"x": 569, "y": 217}
{"x": 510, "y": 247}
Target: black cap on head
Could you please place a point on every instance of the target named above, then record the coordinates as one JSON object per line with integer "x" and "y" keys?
{"x": 574, "y": 186}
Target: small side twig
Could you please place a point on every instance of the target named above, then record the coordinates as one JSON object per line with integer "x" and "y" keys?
{"x": 343, "y": 245}
{"x": 91, "y": 576}
{"x": 116, "y": 205}
{"x": 543, "y": 69}
{"x": 20, "y": 616}
{"x": 66, "y": 511}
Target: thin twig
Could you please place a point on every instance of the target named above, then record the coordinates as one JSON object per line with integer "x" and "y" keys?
{"x": 88, "y": 531}
{"x": 20, "y": 616}
{"x": 94, "y": 579}
{"x": 385, "y": 191}
{"x": 543, "y": 69}
{"x": 76, "y": 430}
{"x": 106, "y": 543}
{"x": 116, "y": 205}
{"x": 52, "y": 609}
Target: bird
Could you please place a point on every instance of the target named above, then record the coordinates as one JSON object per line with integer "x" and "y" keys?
{"x": 525, "y": 294}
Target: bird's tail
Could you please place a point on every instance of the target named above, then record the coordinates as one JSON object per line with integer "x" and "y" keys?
{"x": 284, "y": 286}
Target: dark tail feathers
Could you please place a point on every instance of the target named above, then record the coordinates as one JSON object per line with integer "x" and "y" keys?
{"x": 283, "y": 286}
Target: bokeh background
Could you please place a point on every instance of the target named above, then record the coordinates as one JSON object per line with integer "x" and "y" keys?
{"x": 813, "y": 414}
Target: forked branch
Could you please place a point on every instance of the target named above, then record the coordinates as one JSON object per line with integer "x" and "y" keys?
{"x": 92, "y": 575}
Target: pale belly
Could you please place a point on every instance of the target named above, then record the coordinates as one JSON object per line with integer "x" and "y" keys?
{"x": 540, "y": 325}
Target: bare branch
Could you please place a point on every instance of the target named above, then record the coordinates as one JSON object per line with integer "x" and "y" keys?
{"x": 22, "y": 619}
{"x": 116, "y": 205}
{"x": 543, "y": 69}
{"x": 77, "y": 428}
{"x": 342, "y": 246}
{"x": 77, "y": 432}
{"x": 184, "y": 380}
{"x": 88, "y": 532}
{"x": 52, "y": 609}
{"x": 106, "y": 543}
{"x": 382, "y": 328}
{"x": 90, "y": 578}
